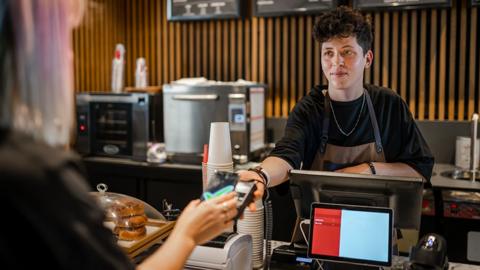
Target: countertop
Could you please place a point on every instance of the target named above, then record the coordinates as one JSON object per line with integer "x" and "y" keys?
{"x": 398, "y": 262}
{"x": 130, "y": 162}
{"x": 439, "y": 181}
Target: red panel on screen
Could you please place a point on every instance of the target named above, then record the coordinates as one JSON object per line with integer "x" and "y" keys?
{"x": 326, "y": 232}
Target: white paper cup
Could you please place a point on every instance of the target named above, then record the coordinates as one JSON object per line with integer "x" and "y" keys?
{"x": 204, "y": 176}
{"x": 219, "y": 146}
{"x": 211, "y": 169}
{"x": 462, "y": 152}
{"x": 252, "y": 224}
{"x": 220, "y": 166}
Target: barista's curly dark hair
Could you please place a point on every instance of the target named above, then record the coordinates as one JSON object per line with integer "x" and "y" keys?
{"x": 344, "y": 22}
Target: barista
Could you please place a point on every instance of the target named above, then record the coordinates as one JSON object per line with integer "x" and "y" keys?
{"x": 347, "y": 126}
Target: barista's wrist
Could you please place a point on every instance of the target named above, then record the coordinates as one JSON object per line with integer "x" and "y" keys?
{"x": 262, "y": 173}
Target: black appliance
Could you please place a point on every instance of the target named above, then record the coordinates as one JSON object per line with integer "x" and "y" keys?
{"x": 118, "y": 125}
{"x": 429, "y": 253}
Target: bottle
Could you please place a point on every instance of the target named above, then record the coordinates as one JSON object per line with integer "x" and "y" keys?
{"x": 141, "y": 73}
{"x": 118, "y": 67}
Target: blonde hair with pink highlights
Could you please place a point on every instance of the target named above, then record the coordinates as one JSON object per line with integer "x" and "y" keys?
{"x": 36, "y": 72}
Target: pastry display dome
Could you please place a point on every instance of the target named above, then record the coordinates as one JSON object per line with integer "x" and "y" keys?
{"x": 128, "y": 214}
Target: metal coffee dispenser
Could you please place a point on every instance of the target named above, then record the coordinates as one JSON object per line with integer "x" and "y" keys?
{"x": 189, "y": 110}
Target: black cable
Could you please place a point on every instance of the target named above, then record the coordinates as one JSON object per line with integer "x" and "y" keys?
{"x": 268, "y": 230}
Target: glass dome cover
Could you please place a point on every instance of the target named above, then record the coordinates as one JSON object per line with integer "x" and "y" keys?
{"x": 125, "y": 211}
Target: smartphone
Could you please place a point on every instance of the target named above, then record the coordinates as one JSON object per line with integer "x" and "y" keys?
{"x": 219, "y": 184}
{"x": 225, "y": 182}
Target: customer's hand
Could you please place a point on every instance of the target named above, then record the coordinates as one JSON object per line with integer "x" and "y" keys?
{"x": 202, "y": 221}
{"x": 199, "y": 222}
{"x": 248, "y": 176}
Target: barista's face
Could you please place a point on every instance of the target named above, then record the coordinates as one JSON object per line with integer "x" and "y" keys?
{"x": 343, "y": 63}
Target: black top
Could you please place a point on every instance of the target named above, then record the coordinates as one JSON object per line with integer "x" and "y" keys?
{"x": 49, "y": 220}
{"x": 401, "y": 138}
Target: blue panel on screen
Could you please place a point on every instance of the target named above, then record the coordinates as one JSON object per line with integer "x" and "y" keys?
{"x": 364, "y": 235}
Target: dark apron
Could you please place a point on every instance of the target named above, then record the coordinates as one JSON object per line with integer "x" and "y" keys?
{"x": 331, "y": 157}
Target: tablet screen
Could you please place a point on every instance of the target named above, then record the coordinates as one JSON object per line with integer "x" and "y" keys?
{"x": 347, "y": 233}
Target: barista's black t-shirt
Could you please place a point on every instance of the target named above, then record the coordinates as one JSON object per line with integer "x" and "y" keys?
{"x": 401, "y": 138}
{"x": 49, "y": 221}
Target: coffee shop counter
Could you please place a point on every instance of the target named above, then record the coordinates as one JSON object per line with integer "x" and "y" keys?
{"x": 150, "y": 182}
{"x": 177, "y": 184}
{"x": 398, "y": 262}
{"x": 180, "y": 183}
{"x": 440, "y": 179}
{"x": 452, "y": 208}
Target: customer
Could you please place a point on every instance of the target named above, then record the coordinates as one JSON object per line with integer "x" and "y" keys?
{"x": 348, "y": 126}
{"x": 49, "y": 221}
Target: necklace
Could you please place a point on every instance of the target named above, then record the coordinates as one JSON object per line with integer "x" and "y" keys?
{"x": 346, "y": 134}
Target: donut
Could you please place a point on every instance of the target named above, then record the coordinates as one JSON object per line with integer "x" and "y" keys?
{"x": 130, "y": 234}
{"x": 127, "y": 208}
{"x": 133, "y": 221}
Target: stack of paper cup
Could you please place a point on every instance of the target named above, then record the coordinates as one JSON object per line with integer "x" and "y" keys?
{"x": 219, "y": 149}
{"x": 252, "y": 224}
{"x": 204, "y": 176}
{"x": 462, "y": 152}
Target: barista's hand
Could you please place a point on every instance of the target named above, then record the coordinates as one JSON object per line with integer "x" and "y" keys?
{"x": 202, "y": 221}
{"x": 248, "y": 176}
{"x": 362, "y": 168}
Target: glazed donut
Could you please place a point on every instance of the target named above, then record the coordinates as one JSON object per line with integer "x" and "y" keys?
{"x": 130, "y": 234}
{"x": 127, "y": 208}
{"x": 131, "y": 222}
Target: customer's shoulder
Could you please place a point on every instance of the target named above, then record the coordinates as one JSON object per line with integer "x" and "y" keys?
{"x": 21, "y": 157}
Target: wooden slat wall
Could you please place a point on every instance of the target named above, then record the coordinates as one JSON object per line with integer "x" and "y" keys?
{"x": 430, "y": 57}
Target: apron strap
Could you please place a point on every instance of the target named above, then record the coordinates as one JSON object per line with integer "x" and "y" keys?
{"x": 326, "y": 122}
{"x": 373, "y": 119}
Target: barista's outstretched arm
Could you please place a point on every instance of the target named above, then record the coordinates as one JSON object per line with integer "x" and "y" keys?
{"x": 383, "y": 168}
{"x": 276, "y": 170}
